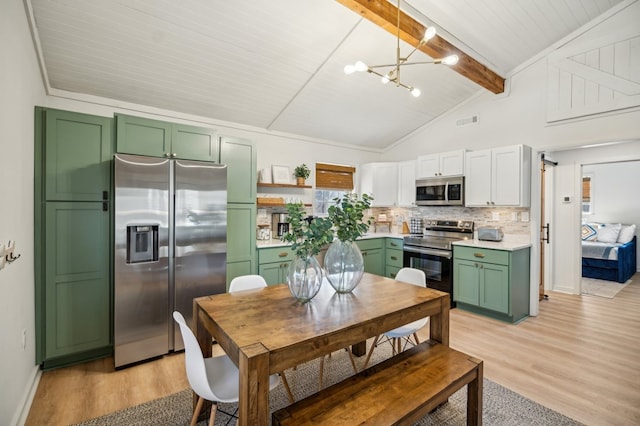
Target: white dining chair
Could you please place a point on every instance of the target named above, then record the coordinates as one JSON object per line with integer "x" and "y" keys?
{"x": 215, "y": 379}
{"x": 412, "y": 276}
{"x": 252, "y": 282}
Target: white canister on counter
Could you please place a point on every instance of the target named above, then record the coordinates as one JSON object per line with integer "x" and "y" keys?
{"x": 264, "y": 233}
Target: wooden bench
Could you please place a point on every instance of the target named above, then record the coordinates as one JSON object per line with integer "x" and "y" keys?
{"x": 399, "y": 390}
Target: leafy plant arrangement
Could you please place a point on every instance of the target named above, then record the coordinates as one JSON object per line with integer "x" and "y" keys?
{"x": 347, "y": 216}
{"x": 302, "y": 171}
{"x": 307, "y": 237}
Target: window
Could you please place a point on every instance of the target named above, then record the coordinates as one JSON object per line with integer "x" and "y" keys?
{"x": 332, "y": 181}
{"x": 587, "y": 199}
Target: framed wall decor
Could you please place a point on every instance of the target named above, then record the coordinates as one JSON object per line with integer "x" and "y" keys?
{"x": 280, "y": 174}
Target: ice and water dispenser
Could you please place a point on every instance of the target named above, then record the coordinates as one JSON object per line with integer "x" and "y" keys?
{"x": 142, "y": 243}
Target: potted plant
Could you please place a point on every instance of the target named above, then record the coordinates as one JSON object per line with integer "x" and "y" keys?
{"x": 343, "y": 262}
{"x": 305, "y": 274}
{"x": 301, "y": 173}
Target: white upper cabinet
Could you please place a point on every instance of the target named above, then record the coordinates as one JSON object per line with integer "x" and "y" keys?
{"x": 381, "y": 181}
{"x": 407, "y": 183}
{"x": 498, "y": 177}
{"x": 443, "y": 164}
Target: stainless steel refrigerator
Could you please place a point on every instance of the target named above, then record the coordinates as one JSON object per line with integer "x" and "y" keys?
{"x": 170, "y": 247}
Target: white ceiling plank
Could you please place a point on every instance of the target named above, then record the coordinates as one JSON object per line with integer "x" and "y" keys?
{"x": 278, "y": 64}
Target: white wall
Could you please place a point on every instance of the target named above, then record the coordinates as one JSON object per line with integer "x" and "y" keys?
{"x": 614, "y": 187}
{"x": 613, "y": 194}
{"x": 21, "y": 89}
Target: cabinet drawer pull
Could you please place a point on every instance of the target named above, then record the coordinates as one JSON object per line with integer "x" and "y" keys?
{"x": 393, "y": 244}
{"x": 394, "y": 258}
{"x": 478, "y": 254}
{"x": 283, "y": 254}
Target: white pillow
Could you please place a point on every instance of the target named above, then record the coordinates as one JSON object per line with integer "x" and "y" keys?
{"x": 608, "y": 232}
{"x": 627, "y": 233}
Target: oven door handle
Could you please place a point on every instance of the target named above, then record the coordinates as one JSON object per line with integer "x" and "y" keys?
{"x": 432, "y": 252}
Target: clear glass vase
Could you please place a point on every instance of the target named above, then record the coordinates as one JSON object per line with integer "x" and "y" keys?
{"x": 304, "y": 278}
{"x": 344, "y": 266}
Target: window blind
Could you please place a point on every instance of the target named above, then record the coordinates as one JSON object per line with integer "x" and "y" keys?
{"x": 334, "y": 176}
{"x": 586, "y": 189}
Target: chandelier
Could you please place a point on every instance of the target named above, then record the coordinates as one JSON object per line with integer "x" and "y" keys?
{"x": 393, "y": 75}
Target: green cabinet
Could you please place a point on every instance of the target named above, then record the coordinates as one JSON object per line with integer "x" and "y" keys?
{"x": 72, "y": 236}
{"x": 241, "y": 240}
{"x": 77, "y": 273}
{"x": 143, "y": 136}
{"x": 273, "y": 263}
{"x": 372, "y": 253}
{"x": 492, "y": 282}
{"x": 393, "y": 256}
{"x": 77, "y": 156}
{"x": 241, "y": 158}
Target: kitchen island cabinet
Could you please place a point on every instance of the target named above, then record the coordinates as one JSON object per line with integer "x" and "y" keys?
{"x": 492, "y": 282}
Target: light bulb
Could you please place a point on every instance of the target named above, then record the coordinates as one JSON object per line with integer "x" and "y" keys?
{"x": 349, "y": 69}
{"x": 385, "y": 79}
{"x": 429, "y": 34}
{"x": 450, "y": 60}
{"x": 361, "y": 66}
{"x": 415, "y": 92}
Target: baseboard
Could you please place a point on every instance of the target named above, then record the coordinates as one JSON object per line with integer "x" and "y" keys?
{"x": 22, "y": 412}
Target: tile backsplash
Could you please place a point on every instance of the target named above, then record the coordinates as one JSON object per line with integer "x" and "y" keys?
{"x": 512, "y": 220}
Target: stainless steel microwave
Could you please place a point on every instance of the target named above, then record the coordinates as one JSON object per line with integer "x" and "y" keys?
{"x": 447, "y": 191}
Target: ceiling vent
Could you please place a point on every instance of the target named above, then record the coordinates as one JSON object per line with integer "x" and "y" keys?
{"x": 468, "y": 120}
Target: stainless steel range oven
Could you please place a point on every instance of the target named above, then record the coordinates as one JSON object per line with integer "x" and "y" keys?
{"x": 432, "y": 251}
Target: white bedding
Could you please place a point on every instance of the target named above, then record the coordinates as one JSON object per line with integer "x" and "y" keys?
{"x": 600, "y": 250}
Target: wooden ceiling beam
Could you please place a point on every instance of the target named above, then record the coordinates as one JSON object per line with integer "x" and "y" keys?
{"x": 385, "y": 15}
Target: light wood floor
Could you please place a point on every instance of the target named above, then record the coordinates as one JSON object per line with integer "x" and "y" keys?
{"x": 580, "y": 356}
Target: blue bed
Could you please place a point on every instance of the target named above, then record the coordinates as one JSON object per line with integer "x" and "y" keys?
{"x": 619, "y": 270}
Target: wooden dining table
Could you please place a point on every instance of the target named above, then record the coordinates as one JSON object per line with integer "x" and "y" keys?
{"x": 267, "y": 330}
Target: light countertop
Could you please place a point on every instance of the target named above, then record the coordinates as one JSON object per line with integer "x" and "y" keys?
{"x": 510, "y": 242}
{"x": 274, "y": 242}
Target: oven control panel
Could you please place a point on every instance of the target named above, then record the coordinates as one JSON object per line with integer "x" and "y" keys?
{"x": 449, "y": 225}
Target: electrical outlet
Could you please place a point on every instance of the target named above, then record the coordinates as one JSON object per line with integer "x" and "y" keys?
{"x": 514, "y": 216}
{"x": 524, "y": 217}
{"x": 495, "y": 216}
{"x": 24, "y": 339}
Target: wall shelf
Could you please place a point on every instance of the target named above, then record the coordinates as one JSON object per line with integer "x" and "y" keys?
{"x": 264, "y": 205}
{"x": 282, "y": 185}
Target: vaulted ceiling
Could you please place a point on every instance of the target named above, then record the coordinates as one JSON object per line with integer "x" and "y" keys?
{"x": 278, "y": 64}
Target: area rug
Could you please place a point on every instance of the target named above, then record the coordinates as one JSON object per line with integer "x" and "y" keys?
{"x": 602, "y": 288}
{"x": 501, "y": 406}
